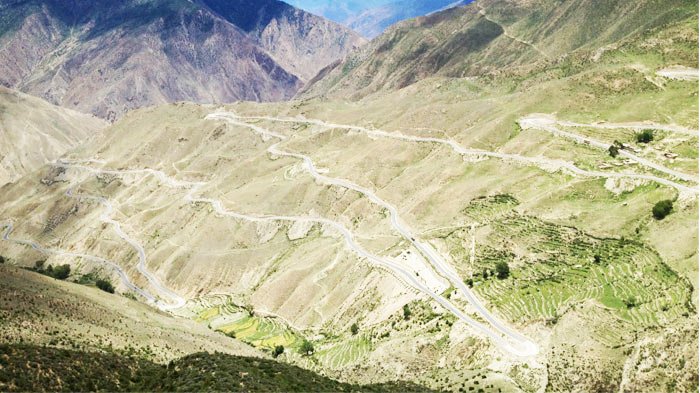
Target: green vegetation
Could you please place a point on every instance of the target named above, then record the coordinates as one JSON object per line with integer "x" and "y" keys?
{"x": 279, "y": 349}
{"x": 60, "y": 272}
{"x": 2, "y": 259}
{"x": 306, "y": 348}
{"x": 614, "y": 151}
{"x": 502, "y": 270}
{"x": 105, "y": 285}
{"x": 354, "y": 329}
{"x": 406, "y": 312}
{"x": 662, "y": 209}
{"x": 35, "y": 368}
{"x": 645, "y": 136}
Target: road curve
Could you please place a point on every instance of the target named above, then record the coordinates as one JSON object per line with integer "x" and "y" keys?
{"x": 546, "y": 164}
{"x": 545, "y": 123}
{"x": 514, "y": 347}
{"x": 125, "y": 279}
{"x": 444, "y": 268}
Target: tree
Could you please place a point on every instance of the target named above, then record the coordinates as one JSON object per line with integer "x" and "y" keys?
{"x": 596, "y": 259}
{"x": 469, "y": 282}
{"x": 502, "y": 270}
{"x": 631, "y": 301}
{"x": 354, "y": 329}
{"x": 39, "y": 265}
{"x": 406, "y": 312}
{"x": 61, "y": 272}
{"x": 279, "y": 349}
{"x": 105, "y": 285}
{"x": 645, "y": 136}
{"x": 2, "y": 259}
{"x": 662, "y": 209}
{"x": 614, "y": 151}
{"x": 306, "y": 348}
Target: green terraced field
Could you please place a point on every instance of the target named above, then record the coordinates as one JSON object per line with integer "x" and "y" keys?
{"x": 345, "y": 353}
{"x": 264, "y": 332}
{"x": 556, "y": 268}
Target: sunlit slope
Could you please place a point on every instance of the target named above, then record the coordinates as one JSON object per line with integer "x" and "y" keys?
{"x": 33, "y": 132}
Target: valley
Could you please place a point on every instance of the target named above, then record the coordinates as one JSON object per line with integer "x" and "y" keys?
{"x": 518, "y": 216}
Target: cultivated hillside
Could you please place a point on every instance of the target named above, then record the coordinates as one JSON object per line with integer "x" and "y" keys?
{"x": 34, "y": 132}
{"x": 108, "y": 57}
{"x": 490, "y": 37}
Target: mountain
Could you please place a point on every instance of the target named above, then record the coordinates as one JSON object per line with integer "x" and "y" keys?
{"x": 34, "y": 132}
{"x": 490, "y": 37}
{"x": 371, "y": 17}
{"x": 109, "y": 57}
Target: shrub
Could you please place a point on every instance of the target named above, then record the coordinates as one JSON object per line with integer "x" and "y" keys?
{"x": 2, "y": 259}
{"x": 279, "y": 349}
{"x": 354, "y": 329}
{"x": 631, "y": 302}
{"x": 469, "y": 282}
{"x": 39, "y": 265}
{"x": 614, "y": 151}
{"x": 406, "y": 312}
{"x": 502, "y": 270}
{"x": 60, "y": 272}
{"x": 306, "y": 348}
{"x": 105, "y": 285}
{"x": 662, "y": 209}
{"x": 645, "y": 136}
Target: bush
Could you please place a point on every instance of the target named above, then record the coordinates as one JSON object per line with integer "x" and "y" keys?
{"x": 2, "y": 259}
{"x": 277, "y": 351}
{"x": 406, "y": 312}
{"x": 614, "y": 151}
{"x": 39, "y": 265}
{"x": 105, "y": 285}
{"x": 60, "y": 272}
{"x": 354, "y": 329}
{"x": 469, "y": 282}
{"x": 645, "y": 136}
{"x": 662, "y": 209}
{"x": 502, "y": 270}
{"x": 631, "y": 302}
{"x": 306, "y": 348}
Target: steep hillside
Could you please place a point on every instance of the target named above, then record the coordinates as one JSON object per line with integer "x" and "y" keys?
{"x": 26, "y": 368}
{"x": 34, "y": 132}
{"x": 107, "y": 58}
{"x": 490, "y": 37}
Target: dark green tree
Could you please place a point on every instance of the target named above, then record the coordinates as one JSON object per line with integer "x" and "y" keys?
{"x": 614, "y": 151}
{"x": 279, "y": 349}
{"x": 662, "y": 209}
{"x": 406, "y": 312}
{"x": 306, "y": 348}
{"x": 39, "y": 265}
{"x": 645, "y": 136}
{"x": 502, "y": 270}
{"x": 61, "y": 272}
{"x": 105, "y": 285}
{"x": 354, "y": 329}
{"x": 2, "y": 259}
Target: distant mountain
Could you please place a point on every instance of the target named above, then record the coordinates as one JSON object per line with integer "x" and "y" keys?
{"x": 109, "y": 57}
{"x": 371, "y": 17}
{"x": 490, "y": 36}
{"x": 33, "y": 132}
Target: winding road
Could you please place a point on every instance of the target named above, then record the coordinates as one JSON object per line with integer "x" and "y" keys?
{"x": 125, "y": 279}
{"x": 519, "y": 344}
{"x": 547, "y": 164}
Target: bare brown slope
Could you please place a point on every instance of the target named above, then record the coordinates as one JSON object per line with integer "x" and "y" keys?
{"x": 490, "y": 36}
{"x": 34, "y": 132}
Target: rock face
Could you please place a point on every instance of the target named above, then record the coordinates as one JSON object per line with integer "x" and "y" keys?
{"x": 109, "y": 57}
{"x": 33, "y": 132}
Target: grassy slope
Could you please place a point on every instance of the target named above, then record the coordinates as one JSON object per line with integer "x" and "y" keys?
{"x": 35, "y": 368}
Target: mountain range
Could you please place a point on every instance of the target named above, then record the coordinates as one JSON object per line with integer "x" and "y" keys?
{"x": 106, "y": 58}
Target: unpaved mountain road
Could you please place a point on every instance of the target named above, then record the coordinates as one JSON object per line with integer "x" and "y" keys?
{"x": 117, "y": 269}
{"x": 547, "y": 164}
{"x": 547, "y": 123}
{"x": 679, "y": 73}
{"x": 519, "y": 343}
